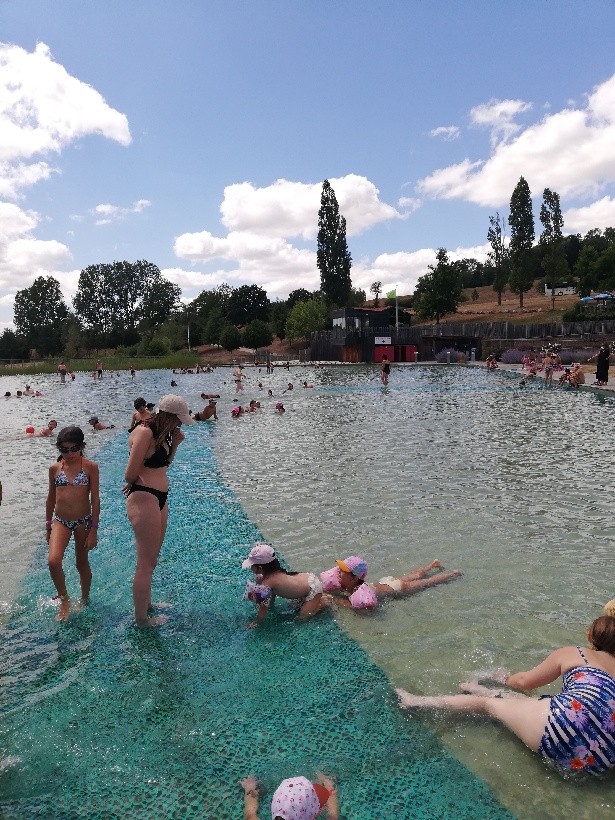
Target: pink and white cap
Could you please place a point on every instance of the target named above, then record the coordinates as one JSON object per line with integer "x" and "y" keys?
{"x": 295, "y": 799}
{"x": 259, "y": 554}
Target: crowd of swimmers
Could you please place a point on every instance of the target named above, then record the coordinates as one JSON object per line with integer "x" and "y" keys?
{"x": 574, "y": 730}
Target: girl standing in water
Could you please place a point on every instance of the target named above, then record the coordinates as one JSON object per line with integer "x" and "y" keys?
{"x": 153, "y": 445}
{"x": 73, "y": 508}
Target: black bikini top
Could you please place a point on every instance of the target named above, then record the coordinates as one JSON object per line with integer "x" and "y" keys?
{"x": 159, "y": 458}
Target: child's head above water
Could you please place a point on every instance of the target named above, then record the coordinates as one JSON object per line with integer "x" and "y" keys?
{"x": 353, "y": 571}
{"x": 259, "y": 554}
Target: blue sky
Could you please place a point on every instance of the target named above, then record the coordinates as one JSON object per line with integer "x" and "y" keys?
{"x": 197, "y": 134}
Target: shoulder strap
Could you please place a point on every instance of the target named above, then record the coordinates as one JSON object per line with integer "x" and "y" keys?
{"x": 582, "y": 654}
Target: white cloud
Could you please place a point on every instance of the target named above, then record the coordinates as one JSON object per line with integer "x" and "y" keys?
{"x": 499, "y": 116}
{"x": 42, "y": 110}
{"x": 569, "y": 151}
{"x": 290, "y": 209}
{"x": 446, "y": 132}
{"x": 261, "y": 221}
{"x": 403, "y": 269}
{"x": 408, "y": 204}
{"x": 23, "y": 257}
{"x": 108, "y": 213}
{"x": 600, "y": 214}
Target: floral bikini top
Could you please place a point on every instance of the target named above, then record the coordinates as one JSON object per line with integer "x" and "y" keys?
{"x": 80, "y": 480}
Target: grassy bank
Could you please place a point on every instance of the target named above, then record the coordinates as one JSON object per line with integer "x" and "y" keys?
{"x": 170, "y": 361}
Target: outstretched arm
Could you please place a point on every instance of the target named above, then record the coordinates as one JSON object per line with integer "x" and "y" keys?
{"x": 546, "y": 672}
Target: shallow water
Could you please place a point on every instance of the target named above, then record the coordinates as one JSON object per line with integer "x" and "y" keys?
{"x": 508, "y": 485}
{"x": 102, "y": 720}
{"x": 511, "y": 486}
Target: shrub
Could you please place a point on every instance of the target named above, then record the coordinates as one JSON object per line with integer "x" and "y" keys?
{"x": 512, "y": 356}
{"x": 455, "y": 356}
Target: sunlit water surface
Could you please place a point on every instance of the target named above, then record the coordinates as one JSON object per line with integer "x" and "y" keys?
{"x": 511, "y": 486}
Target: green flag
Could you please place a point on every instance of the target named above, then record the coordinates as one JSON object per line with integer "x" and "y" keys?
{"x": 392, "y": 294}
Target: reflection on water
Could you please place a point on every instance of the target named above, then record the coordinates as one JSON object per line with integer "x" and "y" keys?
{"x": 511, "y": 486}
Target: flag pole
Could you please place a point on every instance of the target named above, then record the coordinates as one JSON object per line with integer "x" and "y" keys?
{"x": 396, "y": 309}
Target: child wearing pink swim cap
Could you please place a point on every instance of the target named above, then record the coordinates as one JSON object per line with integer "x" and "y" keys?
{"x": 348, "y": 580}
{"x": 296, "y": 798}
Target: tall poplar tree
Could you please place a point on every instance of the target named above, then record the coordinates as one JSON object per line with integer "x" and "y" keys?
{"x": 498, "y": 255}
{"x": 554, "y": 261}
{"x": 332, "y": 257}
{"x": 521, "y": 221}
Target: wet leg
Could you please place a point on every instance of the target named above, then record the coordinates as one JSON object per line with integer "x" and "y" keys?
{"x": 145, "y": 517}
{"x": 58, "y": 541}
{"x": 526, "y": 717}
{"x": 82, "y": 562}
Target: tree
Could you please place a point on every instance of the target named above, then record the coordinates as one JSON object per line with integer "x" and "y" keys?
{"x": 306, "y": 318}
{"x": 521, "y": 221}
{"x": 160, "y": 302}
{"x": 247, "y": 303}
{"x": 257, "y": 334}
{"x": 277, "y": 318}
{"x": 605, "y": 269}
{"x": 376, "y": 289}
{"x": 110, "y": 298}
{"x": 214, "y": 327}
{"x": 230, "y": 338}
{"x": 298, "y": 295}
{"x": 586, "y": 270}
{"x": 439, "y": 291}
{"x": 332, "y": 257}
{"x": 39, "y": 314}
{"x": 498, "y": 255}
{"x": 357, "y": 297}
{"x": 554, "y": 261}
{"x": 13, "y": 345}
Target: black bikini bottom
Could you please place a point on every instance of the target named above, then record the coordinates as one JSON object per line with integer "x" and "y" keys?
{"x": 161, "y": 495}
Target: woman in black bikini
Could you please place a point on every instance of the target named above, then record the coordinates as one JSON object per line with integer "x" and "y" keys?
{"x": 153, "y": 445}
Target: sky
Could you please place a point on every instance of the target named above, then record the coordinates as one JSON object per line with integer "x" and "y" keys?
{"x": 197, "y": 135}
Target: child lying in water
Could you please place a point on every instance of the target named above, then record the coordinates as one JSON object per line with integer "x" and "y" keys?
{"x": 271, "y": 579}
{"x": 348, "y": 579}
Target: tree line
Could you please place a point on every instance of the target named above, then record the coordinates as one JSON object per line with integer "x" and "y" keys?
{"x": 133, "y": 308}
{"x": 517, "y": 261}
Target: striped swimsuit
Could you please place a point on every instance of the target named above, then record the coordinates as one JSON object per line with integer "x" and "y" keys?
{"x": 579, "y": 737}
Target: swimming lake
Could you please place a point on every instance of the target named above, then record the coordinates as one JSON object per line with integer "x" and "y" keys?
{"x": 511, "y": 486}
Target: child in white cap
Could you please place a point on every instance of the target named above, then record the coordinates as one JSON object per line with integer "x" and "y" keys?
{"x": 272, "y": 579}
{"x": 348, "y": 579}
{"x": 296, "y": 798}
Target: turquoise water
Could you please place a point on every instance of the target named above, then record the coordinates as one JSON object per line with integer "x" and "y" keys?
{"x": 103, "y": 720}
{"x": 511, "y": 486}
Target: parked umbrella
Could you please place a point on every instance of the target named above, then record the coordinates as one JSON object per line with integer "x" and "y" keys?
{"x": 604, "y": 296}
{"x": 586, "y": 299}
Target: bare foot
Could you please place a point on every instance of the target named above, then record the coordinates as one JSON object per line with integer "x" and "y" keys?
{"x": 161, "y": 605}
{"x": 473, "y": 687}
{"x": 64, "y": 609}
{"x": 436, "y": 564}
{"x": 158, "y": 620}
{"x": 406, "y": 700}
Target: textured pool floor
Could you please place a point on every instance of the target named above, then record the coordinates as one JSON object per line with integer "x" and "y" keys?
{"x": 101, "y": 720}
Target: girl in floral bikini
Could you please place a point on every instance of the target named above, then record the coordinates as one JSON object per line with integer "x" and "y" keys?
{"x": 73, "y": 508}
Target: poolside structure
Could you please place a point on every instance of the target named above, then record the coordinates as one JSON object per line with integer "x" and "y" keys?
{"x": 366, "y": 335}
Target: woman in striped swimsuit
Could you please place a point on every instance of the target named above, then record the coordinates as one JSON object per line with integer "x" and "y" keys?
{"x": 575, "y": 730}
